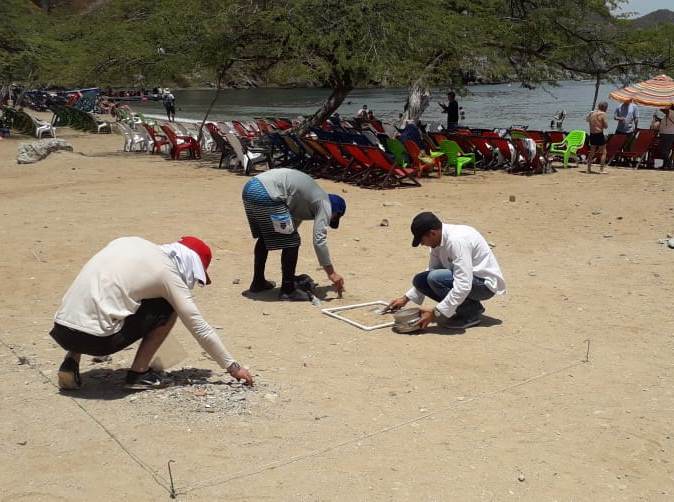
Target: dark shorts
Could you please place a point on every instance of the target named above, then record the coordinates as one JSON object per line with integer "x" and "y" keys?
{"x": 170, "y": 109}
{"x": 151, "y": 314}
{"x": 597, "y": 139}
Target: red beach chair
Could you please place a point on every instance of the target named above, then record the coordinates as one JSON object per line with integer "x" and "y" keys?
{"x": 182, "y": 143}
{"x": 158, "y": 140}
{"x": 637, "y": 151}
{"x": 395, "y": 175}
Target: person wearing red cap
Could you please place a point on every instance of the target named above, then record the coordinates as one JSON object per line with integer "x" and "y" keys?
{"x": 134, "y": 290}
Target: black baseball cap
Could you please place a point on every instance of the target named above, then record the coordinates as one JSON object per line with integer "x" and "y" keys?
{"x": 422, "y": 223}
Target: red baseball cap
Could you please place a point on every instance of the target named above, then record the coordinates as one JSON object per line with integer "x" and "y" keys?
{"x": 202, "y": 249}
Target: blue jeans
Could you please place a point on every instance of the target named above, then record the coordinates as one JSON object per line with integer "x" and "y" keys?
{"x": 436, "y": 285}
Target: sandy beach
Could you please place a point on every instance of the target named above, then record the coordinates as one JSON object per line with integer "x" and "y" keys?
{"x": 507, "y": 410}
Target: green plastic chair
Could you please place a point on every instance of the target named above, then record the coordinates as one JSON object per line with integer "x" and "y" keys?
{"x": 573, "y": 142}
{"x": 455, "y": 156}
{"x": 399, "y": 152}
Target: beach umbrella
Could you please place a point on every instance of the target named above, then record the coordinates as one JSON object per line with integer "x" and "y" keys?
{"x": 658, "y": 92}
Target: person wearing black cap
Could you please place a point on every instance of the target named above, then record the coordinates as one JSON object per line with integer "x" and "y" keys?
{"x": 462, "y": 273}
{"x": 276, "y": 202}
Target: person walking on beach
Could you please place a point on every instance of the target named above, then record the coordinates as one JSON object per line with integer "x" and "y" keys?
{"x": 135, "y": 290}
{"x": 462, "y": 273}
{"x": 627, "y": 115}
{"x": 169, "y": 101}
{"x": 276, "y": 202}
{"x": 452, "y": 111}
{"x": 667, "y": 137}
{"x": 598, "y": 122}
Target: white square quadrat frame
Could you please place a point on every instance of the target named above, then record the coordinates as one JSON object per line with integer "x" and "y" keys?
{"x": 333, "y": 312}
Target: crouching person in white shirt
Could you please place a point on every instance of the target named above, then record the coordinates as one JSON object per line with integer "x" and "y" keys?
{"x": 135, "y": 290}
{"x": 462, "y": 273}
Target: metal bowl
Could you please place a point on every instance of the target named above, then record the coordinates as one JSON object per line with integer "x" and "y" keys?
{"x": 407, "y": 320}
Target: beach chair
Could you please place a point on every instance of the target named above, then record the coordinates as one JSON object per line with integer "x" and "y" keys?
{"x": 456, "y": 157}
{"x": 40, "y": 127}
{"x": 421, "y": 163}
{"x": 370, "y": 177}
{"x": 573, "y": 142}
{"x": 636, "y": 153}
{"x": 247, "y": 157}
{"x": 180, "y": 143}
{"x": 134, "y": 141}
{"x": 395, "y": 175}
{"x": 348, "y": 169}
{"x": 99, "y": 126}
{"x": 221, "y": 144}
{"x": 321, "y": 161}
{"x": 397, "y": 149}
{"x": 158, "y": 140}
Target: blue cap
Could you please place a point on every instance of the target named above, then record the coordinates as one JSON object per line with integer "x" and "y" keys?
{"x": 338, "y": 206}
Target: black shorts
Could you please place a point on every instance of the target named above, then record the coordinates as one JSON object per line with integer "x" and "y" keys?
{"x": 597, "y": 139}
{"x": 151, "y": 314}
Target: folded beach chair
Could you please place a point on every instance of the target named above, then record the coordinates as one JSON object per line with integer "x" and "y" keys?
{"x": 181, "y": 143}
{"x": 636, "y": 153}
{"x": 456, "y": 157}
{"x": 572, "y": 143}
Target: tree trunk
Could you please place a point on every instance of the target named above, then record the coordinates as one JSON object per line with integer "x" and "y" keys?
{"x": 418, "y": 100}
{"x": 597, "y": 83}
{"x": 221, "y": 76}
{"x": 419, "y": 96}
{"x": 334, "y": 101}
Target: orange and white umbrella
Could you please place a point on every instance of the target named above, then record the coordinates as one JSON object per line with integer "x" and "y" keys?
{"x": 658, "y": 92}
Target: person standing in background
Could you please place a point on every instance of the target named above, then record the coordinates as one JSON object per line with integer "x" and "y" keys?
{"x": 627, "y": 115}
{"x": 452, "y": 111}
{"x": 598, "y": 122}
{"x": 667, "y": 137}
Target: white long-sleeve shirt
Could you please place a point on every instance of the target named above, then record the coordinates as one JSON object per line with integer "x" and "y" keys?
{"x": 466, "y": 253}
{"x": 111, "y": 285}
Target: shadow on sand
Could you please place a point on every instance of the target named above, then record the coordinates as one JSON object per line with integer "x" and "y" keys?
{"x": 486, "y": 322}
{"x": 108, "y": 384}
{"x": 271, "y": 295}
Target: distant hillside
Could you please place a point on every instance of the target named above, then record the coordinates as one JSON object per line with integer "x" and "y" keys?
{"x": 655, "y": 17}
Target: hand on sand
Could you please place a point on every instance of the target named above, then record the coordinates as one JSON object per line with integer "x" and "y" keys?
{"x": 398, "y": 303}
{"x": 338, "y": 283}
{"x": 240, "y": 373}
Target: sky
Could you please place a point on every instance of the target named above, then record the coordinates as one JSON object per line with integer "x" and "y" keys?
{"x": 645, "y": 6}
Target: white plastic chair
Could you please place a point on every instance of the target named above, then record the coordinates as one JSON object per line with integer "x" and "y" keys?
{"x": 132, "y": 139}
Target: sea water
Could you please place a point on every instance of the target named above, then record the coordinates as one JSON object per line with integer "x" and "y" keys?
{"x": 488, "y": 106}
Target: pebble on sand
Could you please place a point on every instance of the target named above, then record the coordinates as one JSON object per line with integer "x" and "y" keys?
{"x": 384, "y": 223}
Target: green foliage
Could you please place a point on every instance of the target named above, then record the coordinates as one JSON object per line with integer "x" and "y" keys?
{"x": 334, "y": 43}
